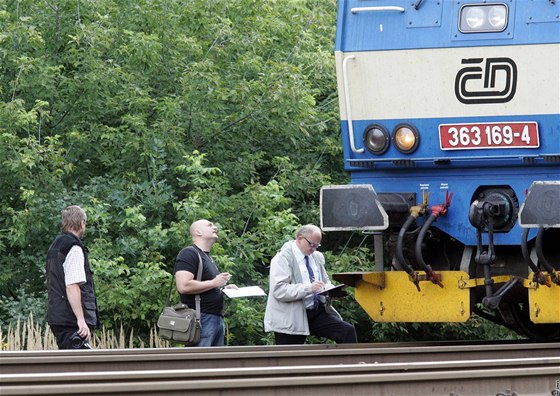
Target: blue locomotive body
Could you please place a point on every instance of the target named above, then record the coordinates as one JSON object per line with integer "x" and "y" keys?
{"x": 450, "y": 111}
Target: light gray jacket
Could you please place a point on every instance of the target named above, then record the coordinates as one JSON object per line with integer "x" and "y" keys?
{"x": 285, "y": 307}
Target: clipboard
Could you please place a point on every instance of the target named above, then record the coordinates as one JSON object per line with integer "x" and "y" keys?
{"x": 335, "y": 291}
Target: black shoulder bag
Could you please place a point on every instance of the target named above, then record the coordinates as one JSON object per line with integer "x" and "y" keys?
{"x": 179, "y": 323}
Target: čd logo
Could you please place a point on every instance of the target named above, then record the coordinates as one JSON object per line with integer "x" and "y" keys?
{"x": 490, "y": 81}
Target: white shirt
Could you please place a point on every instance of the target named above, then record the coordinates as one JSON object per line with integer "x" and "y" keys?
{"x": 74, "y": 271}
{"x": 300, "y": 258}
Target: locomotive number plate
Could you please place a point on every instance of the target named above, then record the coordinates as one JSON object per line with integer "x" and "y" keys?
{"x": 488, "y": 135}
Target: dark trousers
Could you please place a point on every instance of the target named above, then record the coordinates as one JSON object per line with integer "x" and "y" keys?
{"x": 67, "y": 337}
{"x": 321, "y": 324}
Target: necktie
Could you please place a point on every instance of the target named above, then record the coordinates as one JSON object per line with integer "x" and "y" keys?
{"x": 309, "y": 270}
{"x": 311, "y": 279}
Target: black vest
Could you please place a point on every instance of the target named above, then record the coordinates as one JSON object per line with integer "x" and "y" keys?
{"x": 59, "y": 311}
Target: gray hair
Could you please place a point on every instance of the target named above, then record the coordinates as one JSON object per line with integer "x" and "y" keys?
{"x": 307, "y": 230}
{"x": 72, "y": 216}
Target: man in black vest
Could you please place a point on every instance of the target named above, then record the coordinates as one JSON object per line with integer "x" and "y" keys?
{"x": 72, "y": 309}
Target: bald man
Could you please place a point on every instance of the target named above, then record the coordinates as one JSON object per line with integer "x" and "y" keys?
{"x": 203, "y": 234}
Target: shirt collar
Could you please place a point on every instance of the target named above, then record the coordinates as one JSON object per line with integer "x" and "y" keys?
{"x": 297, "y": 253}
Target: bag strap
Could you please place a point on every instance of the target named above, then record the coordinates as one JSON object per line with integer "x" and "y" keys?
{"x": 169, "y": 294}
{"x": 196, "y": 297}
{"x": 198, "y": 277}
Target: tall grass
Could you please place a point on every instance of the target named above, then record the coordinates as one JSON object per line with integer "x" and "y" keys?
{"x": 30, "y": 336}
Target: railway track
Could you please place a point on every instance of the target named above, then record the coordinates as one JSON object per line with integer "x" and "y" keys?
{"x": 381, "y": 369}
{"x": 262, "y": 356}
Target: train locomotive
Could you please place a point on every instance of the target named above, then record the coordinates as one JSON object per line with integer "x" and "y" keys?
{"x": 451, "y": 135}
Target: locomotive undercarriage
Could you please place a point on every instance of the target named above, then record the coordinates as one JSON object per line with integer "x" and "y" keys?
{"x": 509, "y": 309}
{"x": 423, "y": 274}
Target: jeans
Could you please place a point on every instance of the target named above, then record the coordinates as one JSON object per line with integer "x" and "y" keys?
{"x": 212, "y": 332}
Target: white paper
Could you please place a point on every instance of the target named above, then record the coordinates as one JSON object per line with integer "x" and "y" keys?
{"x": 248, "y": 291}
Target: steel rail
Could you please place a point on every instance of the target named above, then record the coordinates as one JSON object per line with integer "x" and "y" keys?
{"x": 278, "y": 371}
{"x": 179, "y": 358}
{"x": 535, "y": 376}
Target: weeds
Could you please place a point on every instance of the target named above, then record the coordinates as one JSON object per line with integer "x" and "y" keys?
{"x": 29, "y": 336}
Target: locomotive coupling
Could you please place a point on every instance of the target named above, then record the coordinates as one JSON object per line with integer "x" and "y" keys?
{"x": 496, "y": 203}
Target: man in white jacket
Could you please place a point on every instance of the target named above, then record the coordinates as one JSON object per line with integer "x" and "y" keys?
{"x": 294, "y": 308}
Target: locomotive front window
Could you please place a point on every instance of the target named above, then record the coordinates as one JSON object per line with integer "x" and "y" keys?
{"x": 483, "y": 18}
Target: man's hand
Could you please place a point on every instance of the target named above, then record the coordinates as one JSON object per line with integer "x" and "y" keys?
{"x": 83, "y": 330}
{"x": 317, "y": 286}
{"x": 222, "y": 279}
{"x": 75, "y": 299}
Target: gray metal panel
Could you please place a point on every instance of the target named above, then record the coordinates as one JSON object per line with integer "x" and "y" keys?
{"x": 427, "y": 15}
{"x": 352, "y": 207}
{"x": 541, "y": 207}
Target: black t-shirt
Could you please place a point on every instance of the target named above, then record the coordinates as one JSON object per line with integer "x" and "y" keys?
{"x": 211, "y": 301}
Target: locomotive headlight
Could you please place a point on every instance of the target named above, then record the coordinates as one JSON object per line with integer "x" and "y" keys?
{"x": 497, "y": 17}
{"x": 474, "y": 17}
{"x": 376, "y": 139}
{"x": 481, "y": 18}
{"x": 406, "y": 138}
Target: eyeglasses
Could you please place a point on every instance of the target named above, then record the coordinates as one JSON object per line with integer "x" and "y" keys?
{"x": 311, "y": 244}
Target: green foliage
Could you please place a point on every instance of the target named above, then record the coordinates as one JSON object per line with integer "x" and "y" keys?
{"x": 131, "y": 295}
{"x": 244, "y": 321}
{"x": 151, "y": 115}
{"x": 17, "y": 306}
{"x": 475, "y": 328}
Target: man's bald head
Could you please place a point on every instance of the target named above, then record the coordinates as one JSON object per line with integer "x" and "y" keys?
{"x": 203, "y": 233}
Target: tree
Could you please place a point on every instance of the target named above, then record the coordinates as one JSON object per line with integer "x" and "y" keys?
{"x": 151, "y": 115}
